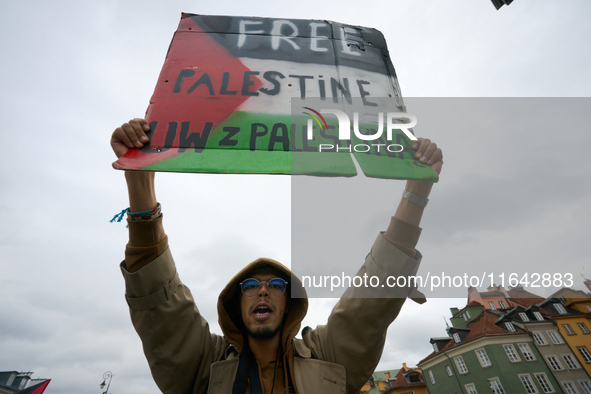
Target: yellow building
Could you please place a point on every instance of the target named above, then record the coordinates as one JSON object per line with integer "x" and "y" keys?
{"x": 573, "y": 317}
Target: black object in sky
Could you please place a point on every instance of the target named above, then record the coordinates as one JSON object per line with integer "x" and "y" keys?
{"x": 499, "y": 3}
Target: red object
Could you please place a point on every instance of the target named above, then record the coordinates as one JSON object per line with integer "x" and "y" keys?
{"x": 173, "y": 99}
{"x": 36, "y": 389}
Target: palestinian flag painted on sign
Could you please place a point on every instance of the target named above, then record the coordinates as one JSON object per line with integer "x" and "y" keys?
{"x": 239, "y": 95}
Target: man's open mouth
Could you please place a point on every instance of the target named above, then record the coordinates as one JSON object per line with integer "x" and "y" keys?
{"x": 262, "y": 311}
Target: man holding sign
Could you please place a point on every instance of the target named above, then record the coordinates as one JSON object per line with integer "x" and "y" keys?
{"x": 261, "y": 309}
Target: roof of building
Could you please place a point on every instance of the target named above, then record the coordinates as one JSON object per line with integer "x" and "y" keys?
{"x": 516, "y": 294}
{"x": 491, "y": 294}
{"x": 524, "y": 301}
{"x": 520, "y": 292}
{"x": 380, "y": 376}
{"x": 403, "y": 378}
{"x": 481, "y": 326}
{"x": 570, "y": 293}
{"x": 440, "y": 339}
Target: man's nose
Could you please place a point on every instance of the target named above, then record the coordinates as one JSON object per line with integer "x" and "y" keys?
{"x": 263, "y": 291}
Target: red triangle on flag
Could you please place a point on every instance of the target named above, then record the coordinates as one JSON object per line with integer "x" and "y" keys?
{"x": 178, "y": 99}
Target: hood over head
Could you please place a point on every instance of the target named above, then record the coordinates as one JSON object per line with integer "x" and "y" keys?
{"x": 230, "y": 319}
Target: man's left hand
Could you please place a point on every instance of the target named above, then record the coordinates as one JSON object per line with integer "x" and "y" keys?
{"x": 428, "y": 153}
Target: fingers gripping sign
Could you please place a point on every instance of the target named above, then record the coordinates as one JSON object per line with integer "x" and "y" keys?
{"x": 130, "y": 135}
{"x": 140, "y": 184}
{"x": 427, "y": 152}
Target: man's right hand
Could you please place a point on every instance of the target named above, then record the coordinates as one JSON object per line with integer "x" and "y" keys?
{"x": 130, "y": 135}
{"x": 140, "y": 184}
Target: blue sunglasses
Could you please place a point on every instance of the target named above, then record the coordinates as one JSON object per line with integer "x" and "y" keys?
{"x": 250, "y": 287}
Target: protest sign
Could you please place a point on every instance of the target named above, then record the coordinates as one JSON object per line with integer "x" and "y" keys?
{"x": 263, "y": 95}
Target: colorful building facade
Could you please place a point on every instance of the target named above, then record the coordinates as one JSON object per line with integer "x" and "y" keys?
{"x": 486, "y": 353}
{"x": 572, "y": 314}
{"x": 379, "y": 382}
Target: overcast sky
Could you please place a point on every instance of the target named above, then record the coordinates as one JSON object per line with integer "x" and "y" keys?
{"x": 74, "y": 70}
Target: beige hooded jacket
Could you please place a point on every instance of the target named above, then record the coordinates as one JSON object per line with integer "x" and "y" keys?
{"x": 338, "y": 357}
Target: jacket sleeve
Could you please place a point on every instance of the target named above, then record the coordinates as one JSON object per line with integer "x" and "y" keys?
{"x": 355, "y": 333}
{"x": 175, "y": 337}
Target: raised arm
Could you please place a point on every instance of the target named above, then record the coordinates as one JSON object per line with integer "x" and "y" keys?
{"x": 404, "y": 229}
{"x": 428, "y": 153}
{"x": 176, "y": 338}
{"x": 356, "y": 328}
{"x": 140, "y": 184}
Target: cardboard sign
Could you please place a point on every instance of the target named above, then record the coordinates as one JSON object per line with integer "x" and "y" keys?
{"x": 247, "y": 95}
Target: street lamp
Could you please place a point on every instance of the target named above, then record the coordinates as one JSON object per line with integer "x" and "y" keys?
{"x": 107, "y": 375}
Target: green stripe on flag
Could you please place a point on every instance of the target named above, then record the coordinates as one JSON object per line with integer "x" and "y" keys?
{"x": 262, "y": 143}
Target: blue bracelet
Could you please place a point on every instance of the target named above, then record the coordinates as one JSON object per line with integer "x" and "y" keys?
{"x": 137, "y": 216}
{"x": 119, "y": 217}
{"x": 145, "y": 215}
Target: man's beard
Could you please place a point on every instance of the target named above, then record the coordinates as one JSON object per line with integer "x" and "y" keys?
{"x": 264, "y": 332}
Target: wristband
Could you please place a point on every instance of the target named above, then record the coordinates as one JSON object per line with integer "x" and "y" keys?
{"x": 145, "y": 215}
{"x": 415, "y": 199}
{"x": 138, "y": 216}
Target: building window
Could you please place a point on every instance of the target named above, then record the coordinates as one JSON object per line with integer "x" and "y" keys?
{"x": 449, "y": 371}
{"x": 461, "y": 365}
{"x": 568, "y": 329}
{"x": 511, "y": 353}
{"x": 538, "y": 316}
{"x": 544, "y": 382}
{"x": 467, "y": 314}
{"x": 457, "y": 338}
{"x": 414, "y": 378}
{"x": 492, "y": 305}
{"x": 431, "y": 376}
{"x": 570, "y": 361}
{"x": 570, "y": 388}
{"x": 502, "y": 305}
{"x": 10, "y": 379}
{"x": 523, "y": 316}
{"x": 530, "y": 388}
{"x": 585, "y": 353}
{"x": 586, "y": 385}
{"x": 435, "y": 348}
{"x": 554, "y": 337}
{"x": 583, "y": 328}
{"x": 483, "y": 357}
{"x": 526, "y": 351}
{"x": 510, "y": 326}
{"x": 560, "y": 309}
{"x": 539, "y": 338}
{"x": 589, "y": 308}
{"x": 554, "y": 363}
{"x": 496, "y": 386}
{"x": 562, "y": 299}
{"x": 471, "y": 389}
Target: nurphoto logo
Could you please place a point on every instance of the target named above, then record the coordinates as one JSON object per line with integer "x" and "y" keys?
{"x": 381, "y": 121}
